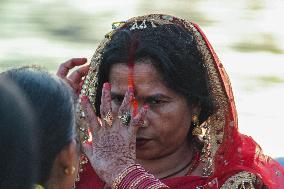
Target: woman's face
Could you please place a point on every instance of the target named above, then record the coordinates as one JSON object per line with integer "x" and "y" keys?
{"x": 168, "y": 116}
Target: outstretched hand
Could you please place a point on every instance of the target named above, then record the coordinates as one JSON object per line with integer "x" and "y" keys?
{"x": 113, "y": 147}
{"x": 75, "y": 78}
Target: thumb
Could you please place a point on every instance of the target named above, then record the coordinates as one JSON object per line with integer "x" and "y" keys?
{"x": 91, "y": 117}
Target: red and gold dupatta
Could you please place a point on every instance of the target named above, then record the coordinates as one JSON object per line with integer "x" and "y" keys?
{"x": 233, "y": 160}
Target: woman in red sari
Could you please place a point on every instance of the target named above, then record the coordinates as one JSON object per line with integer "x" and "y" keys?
{"x": 176, "y": 125}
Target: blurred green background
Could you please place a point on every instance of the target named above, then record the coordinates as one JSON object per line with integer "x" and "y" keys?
{"x": 247, "y": 35}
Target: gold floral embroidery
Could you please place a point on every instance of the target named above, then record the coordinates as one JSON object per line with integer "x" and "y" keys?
{"x": 241, "y": 180}
{"x": 216, "y": 121}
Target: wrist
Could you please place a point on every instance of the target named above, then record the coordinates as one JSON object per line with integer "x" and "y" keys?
{"x": 135, "y": 176}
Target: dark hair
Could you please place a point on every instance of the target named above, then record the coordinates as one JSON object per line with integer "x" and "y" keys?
{"x": 175, "y": 55}
{"x": 53, "y": 104}
{"x": 18, "y": 144}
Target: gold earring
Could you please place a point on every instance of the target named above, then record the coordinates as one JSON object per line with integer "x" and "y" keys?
{"x": 145, "y": 123}
{"x": 69, "y": 172}
{"x": 197, "y": 128}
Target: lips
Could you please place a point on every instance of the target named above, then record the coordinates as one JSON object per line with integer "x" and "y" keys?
{"x": 140, "y": 142}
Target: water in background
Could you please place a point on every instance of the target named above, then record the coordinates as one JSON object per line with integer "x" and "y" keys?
{"x": 247, "y": 35}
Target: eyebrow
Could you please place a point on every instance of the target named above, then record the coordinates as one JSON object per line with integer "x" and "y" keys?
{"x": 147, "y": 98}
{"x": 156, "y": 96}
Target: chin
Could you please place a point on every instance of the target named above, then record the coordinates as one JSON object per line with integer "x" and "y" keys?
{"x": 147, "y": 155}
{"x": 144, "y": 154}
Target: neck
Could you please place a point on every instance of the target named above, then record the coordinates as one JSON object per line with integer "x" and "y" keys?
{"x": 170, "y": 164}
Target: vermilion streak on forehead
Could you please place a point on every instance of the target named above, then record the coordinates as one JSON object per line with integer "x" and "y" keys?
{"x": 131, "y": 60}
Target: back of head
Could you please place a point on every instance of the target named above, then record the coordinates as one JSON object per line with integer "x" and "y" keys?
{"x": 18, "y": 144}
{"x": 53, "y": 104}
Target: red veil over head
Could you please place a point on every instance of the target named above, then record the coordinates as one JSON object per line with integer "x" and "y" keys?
{"x": 232, "y": 159}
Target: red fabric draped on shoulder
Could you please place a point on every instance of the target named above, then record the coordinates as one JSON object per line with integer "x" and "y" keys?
{"x": 243, "y": 154}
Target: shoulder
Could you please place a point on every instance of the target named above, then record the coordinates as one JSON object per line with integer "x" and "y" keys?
{"x": 243, "y": 180}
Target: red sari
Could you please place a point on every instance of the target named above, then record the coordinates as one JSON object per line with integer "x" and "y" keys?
{"x": 235, "y": 158}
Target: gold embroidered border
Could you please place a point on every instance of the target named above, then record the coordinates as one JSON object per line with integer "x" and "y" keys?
{"x": 243, "y": 180}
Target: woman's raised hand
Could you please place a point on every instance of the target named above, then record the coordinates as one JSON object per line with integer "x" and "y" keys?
{"x": 113, "y": 147}
{"x": 75, "y": 78}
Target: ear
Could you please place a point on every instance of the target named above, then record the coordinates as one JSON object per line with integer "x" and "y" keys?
{"x": 68, "y": 157}
{"x": 195, "y": 109}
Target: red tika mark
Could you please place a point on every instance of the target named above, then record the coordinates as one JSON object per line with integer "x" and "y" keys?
{"x": 131, "y": 60}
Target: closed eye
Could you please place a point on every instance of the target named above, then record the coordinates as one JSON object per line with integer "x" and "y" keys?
{"x": 156, "y": 100}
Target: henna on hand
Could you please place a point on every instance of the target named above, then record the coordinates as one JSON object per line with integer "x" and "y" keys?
{"x": 113, "y": 147}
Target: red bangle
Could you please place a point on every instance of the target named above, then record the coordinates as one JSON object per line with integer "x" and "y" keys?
{"x": 136, "y": 177}
{"x": 124, "y": 173}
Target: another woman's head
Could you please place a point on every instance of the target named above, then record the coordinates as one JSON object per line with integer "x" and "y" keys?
{"x": 53, "y": 104}
{"x": 169, "y": 71}
{"x": 18, "y": 142}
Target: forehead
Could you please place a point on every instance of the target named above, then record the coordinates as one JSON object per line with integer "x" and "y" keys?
{"x": 144, "y": 73}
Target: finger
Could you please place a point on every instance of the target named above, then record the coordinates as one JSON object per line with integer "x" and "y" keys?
{"x": 105, "y": 107}
{"x": 124, "y": 110}
{"x": 90, "y": 115}
{"x": 105, "y": 100}
{"x": 138, "y": 120}
{"x": 126, "y": 103}
{"x": 65, "y": 67}
{"x": 77, "y": 75}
